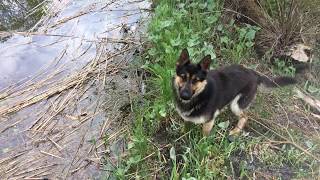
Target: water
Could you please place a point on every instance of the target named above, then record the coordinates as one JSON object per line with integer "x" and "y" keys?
{"x": 62, "y": 136}
{"x": 23, "y": 56}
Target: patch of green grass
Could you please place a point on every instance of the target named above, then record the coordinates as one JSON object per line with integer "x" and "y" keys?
{"x": 204, "y": 157}
{"x": 159, "y": 144}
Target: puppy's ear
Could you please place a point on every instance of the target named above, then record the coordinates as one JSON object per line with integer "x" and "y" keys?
{"x": 184, "y": 58}
{"x": 205, "y": 62}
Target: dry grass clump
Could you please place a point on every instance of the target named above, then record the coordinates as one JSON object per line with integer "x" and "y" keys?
{"x": 285, "y": 24}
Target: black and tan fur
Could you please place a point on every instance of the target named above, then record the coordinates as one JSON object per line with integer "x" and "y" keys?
{"x": 200, "y": 94}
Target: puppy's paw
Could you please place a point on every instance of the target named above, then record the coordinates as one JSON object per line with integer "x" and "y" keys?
{"x": 234, "y": 134}
{"x": 232, "y": 138}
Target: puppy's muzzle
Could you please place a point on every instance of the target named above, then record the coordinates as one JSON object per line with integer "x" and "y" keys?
{"x": 186, "y": 92}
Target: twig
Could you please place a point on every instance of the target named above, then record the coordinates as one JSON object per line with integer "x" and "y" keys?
{"x": 313, "y": 102}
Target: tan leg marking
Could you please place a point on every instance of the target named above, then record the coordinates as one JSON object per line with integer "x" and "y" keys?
{"x": 241, "y": 115}
{"x": 240, "y": 125}
{"x": 207, "y": 127}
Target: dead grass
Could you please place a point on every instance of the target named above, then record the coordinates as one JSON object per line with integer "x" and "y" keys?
{"x": 290, "y": 121}
{"x": 283, "y": 23}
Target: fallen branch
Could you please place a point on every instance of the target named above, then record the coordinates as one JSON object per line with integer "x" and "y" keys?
{"x": 313, "y": 102}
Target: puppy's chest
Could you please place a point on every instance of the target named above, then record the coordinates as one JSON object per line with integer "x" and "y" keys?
{"x": 197, "y": 119}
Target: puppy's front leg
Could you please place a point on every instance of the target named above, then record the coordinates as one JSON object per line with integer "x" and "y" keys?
{"x": 206, "y": 127}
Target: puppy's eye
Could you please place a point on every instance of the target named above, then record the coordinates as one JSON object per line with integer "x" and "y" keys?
{"x": 195, "y": 80}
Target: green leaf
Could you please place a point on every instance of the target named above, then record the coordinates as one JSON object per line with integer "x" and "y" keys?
{"x": 309, "y": 144}
{"x": 152, "y": 51}
{"x": 189, "y": 178}
{"x": 312, "y": 89}
{"x": 219, "y": 27}
{"x": 193, "y": 4}
{"x": 181, "y": 5}
{"x": 152, "y": 115}
{"x": 167, "y": 23}
{"x": 202, "y": 5}
{"x": 176, "y": 42}
{"x": 193, "y": 41}
{"x": 251, "y": 34}
{"x": 224, "y": 125}
{"x": 211, "y": 5}
{"x": 173, "y": 153}
{"x": 194, "y": 52}
{"x": 154, "y": 38}
{"x": 134, "y": 159}
{"x": 206, "y": 31}
{"x": 242, "y": 33}
{"x": 208, "y": 49}
{"x": 130, "y": 145}
{"x": 224, "y": 40}
{"x": 163, "y": 112}
{"x": 249, "y": 44}
{"x": 211, "y": 19}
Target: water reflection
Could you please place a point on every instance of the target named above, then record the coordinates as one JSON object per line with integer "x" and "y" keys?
{"x": 23, "y": 56}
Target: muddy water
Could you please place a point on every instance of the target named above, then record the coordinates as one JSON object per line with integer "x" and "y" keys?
{"x": 68, "y": 135}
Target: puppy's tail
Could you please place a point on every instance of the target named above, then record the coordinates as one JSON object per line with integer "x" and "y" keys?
{"x": 275, "y": 82}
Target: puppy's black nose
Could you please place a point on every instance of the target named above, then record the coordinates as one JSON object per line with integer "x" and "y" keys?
{"x": 185, "y": 95}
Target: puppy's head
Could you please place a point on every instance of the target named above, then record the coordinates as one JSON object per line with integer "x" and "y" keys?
{"x": 190, "y": 79}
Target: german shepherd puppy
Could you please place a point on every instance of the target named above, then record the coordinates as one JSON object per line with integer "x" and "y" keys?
{"x": 200, "y": 94}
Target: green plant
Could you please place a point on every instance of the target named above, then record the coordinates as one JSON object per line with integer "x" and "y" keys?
{"x": 236, "y": 42}
{"x": 282, "y": 68}
{"x": 174, "y": 171}
{"x": 206, "y": 157}
{"x": 159, "y": 144}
